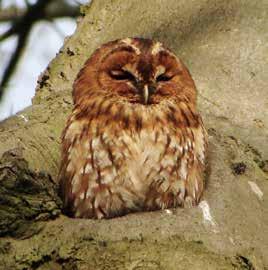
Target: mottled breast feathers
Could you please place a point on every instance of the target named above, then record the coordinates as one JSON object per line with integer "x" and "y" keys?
{"x": 134, "y": 140}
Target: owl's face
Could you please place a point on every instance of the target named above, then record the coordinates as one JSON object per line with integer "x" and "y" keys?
{"x": 136, "y": 71}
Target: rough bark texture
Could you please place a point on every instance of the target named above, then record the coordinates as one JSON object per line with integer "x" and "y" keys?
{"x": 225, "y": 45}
{"x": 25, "y": 197}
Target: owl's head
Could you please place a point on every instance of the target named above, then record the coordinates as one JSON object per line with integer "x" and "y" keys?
{"x": 136, "y": 71}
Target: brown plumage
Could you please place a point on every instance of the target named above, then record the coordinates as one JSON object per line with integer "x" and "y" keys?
{"x": 134, "y": 140}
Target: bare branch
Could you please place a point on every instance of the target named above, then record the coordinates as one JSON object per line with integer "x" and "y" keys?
{"x": 22, "y": 28}
{"x": 11, "y": 14}
{"x": 55, "y": 10}
{"x": 22, "y": 39}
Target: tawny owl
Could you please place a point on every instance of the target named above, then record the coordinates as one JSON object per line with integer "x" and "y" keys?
{"x": 134, "y": 140}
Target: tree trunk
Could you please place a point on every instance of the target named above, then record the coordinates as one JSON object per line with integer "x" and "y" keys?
{"x": 224, "y": 44}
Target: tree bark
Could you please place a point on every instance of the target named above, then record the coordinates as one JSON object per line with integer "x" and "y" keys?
{"x": 225, "y": 47}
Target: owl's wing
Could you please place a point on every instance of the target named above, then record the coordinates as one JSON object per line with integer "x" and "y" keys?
{"x": 195, "y": 178}
{"x": 75, "y": 146}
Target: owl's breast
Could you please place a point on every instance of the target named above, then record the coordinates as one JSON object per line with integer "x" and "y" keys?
{"x": 148, "y": 157}
{"x": 133, "y": 170}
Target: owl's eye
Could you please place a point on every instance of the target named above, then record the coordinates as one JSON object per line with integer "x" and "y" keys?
{"x": 163, "y": 78}
{"x": 122, "y": 75}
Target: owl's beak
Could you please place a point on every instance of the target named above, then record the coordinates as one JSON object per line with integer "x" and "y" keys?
{"x": 146, "y": 91}
{"x": 145, "y": 94}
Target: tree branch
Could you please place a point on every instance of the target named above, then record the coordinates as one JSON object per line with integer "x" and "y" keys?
{"x": 22, "y": 40}
{"x": 56, "y": 10}
{"x": 22, "y": 28}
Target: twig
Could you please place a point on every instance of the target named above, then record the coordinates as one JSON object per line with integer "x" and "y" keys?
{"x": 22, "y": 39}
{"x": 22, "y": 28}
{"x": 57, "y": 11}
{"x": 23, "y": 20}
